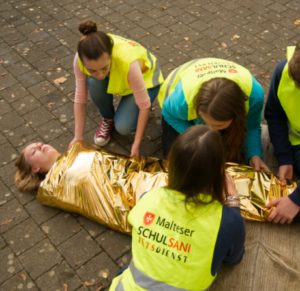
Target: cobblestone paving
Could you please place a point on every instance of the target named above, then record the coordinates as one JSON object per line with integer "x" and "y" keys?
{"x": 37, "y": 45}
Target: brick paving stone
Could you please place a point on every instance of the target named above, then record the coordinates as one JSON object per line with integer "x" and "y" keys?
{"x": 23, "y": 198}
{"x": 20, "y": 135}
{"x": 79, "y": 249}
{"x": 41, "y": 89}
{"x": 93, "y": 228}
{"x": 4, "y": 107}
{"x": 5, "y": 194}
{"x": 26, "y": 104}
{"x": 93, "y": 271}
{"x": 37, "y": 117}
{"x": 51, "y": 130}
{"x": 7, "y": 154}
{"x": 60, "y": 228}
{"x": 17, "y": 283}
{"x": 20, "y": 68}
{"x": 10, "y": 121}
{"x": 115, "y": 244}
{"x": 2, "y": 139}
{"x": 7, "y": 173}
{"x": 40, "y": 258}
{"x": 2, "y": 243}
{"x": 124, "y": 260}
{"x": 23, "y": 236}
{"x": 56, "y": 277}
{"x": 40, "y": 213}
{"x": 9, "y": 210}
{"x": 9, "y": 265}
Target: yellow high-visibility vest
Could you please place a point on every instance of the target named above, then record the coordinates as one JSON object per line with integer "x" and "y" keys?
{"x": 125, "y": 52}
{"x": 289, "y": 97}
{"x": 194, "y": 73}
{"x": 172, "y": 244}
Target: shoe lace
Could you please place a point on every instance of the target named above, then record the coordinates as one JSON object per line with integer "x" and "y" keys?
{"x": 105, "y": 127}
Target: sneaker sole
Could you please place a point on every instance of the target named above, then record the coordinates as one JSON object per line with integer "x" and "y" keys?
{"x": 101, "y": 144}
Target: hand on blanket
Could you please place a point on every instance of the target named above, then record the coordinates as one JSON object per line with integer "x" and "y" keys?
{"x": 285, "y": 211}
{"x": 285, "y": 172}
{"x": 257, "y": 163}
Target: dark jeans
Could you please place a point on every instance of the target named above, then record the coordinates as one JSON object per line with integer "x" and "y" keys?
{"x": 168, "y": 137}
{"x": 296, "y": 158}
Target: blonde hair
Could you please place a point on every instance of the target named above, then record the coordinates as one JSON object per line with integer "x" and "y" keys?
{"x": 25, "y": 179}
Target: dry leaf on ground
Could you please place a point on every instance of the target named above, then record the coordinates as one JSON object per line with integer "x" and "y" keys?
{"x": 224, "y": 44}
{"x": 186, "y": 38}
{"x": 236, "y": 36}
{"x": 104, "y": 275}
{"x": 87, "y": 283}
{"x": 12, "y": 95}
{"x": 297, "y": 22}
{"x": 149, "y": 137}
{"x": 65, "y": 287}
{"x": 7, "y": 221}
{"x": 22, "y": 276}
{"x": 60, "y": 80}
{"x": 100, "y": 287}
{"x": 163, "y": 7}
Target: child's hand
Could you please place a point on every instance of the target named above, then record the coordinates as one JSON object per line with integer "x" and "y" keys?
{"x": 231, "y": 189}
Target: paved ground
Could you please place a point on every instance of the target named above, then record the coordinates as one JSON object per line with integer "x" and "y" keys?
{"x": 37, "y": 44}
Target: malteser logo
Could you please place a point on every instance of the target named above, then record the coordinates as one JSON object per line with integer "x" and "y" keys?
{"x": 232, "y": 71}
{"x": 148, "y": 218}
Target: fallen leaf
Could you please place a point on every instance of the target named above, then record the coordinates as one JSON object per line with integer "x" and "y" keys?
{"x": 48, "y": 91}
{"x": 15, "y": 39}
{"x": 148, "y": 33}
{"x": 7, "y": 221}
{"x": 297, "y": 22}
{"x": 169, "y": 69}
{"x": 163, "y": 7}
{"x": 224, "y": 44}
{"x": 177, "y": 58}
{"x": 70, "y": 94}
{"x": 22, "y": 276}
{"x": 60, "y": 80}
{"x": 49, "y": 105}
{"x": 12, "y": 95}
{"x": 38, "y": 17}
{"x": 62, "y": 88}
{"x": 44, "y": 89}
{"x": 266, "y": 31}
{"x": 186, "y": 38}
{"x": 157, "y": 47}
{"x": 149, "y": 137}
{"x": 104, "y": 274}
{"x": 2, "y": 88}
{"x": 40, "y": 43}
{"x": 65, "y": 287}
{"x": 138, "y": 20}
{"x": 236, "y": 36}
{"x": 87, "y": 283}
{"x": 100, "y": 287}
{"x": 72, "y": 100}
{"x": 3, "y": 74}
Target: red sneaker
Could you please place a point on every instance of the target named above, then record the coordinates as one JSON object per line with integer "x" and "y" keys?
{"x": 102, "y": 135}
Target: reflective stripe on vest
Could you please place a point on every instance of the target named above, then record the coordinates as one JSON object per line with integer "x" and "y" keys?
{"x": 148, "y": 283}
{"x": 155, "y": 77}
{"x": 174, "y": 75}
{"x": 288, "y": 95}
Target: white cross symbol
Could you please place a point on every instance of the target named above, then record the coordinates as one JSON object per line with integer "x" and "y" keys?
{"x": 149, "y": 218}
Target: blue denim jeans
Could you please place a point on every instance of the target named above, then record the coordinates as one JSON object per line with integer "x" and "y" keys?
{"x": 127, "y": 113}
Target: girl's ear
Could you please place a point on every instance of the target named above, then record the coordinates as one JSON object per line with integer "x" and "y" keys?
{"x": 36, "y": 170}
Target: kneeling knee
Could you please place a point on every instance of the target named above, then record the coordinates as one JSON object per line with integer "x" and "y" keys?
{"x": 123, "y": 129}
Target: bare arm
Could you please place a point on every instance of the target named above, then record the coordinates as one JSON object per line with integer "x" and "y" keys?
{"x": 141, "y": 127}
{"x": 80, "y": 116}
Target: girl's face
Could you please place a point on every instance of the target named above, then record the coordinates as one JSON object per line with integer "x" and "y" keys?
{"x": 99, "y": 68}
{"x": 41, "y": 157}
{"x": 215, "y": 124}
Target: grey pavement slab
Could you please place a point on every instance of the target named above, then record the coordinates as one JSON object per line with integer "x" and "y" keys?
{"x": 38, "y": 40}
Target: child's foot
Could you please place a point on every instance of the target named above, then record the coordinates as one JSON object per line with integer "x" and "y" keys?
{"x": 102, "y": 135}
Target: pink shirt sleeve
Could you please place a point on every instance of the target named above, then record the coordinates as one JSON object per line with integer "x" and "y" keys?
{"x": 81, "y": 83}
{"x": 138, "y": 86}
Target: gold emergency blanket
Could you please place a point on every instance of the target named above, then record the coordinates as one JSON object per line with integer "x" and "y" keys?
{"x": 104, "y": 186}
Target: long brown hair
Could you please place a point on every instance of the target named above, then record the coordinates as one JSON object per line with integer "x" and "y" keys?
{"x": 93, "y": 43}
{"x": 223, "y": 100}
{"x": 294, "y": 65}
{"x": 196, "y": 165}
{"x": 25, "y": 179}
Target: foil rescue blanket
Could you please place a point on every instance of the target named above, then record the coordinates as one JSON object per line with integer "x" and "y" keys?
{"x": 104, "y": 186}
